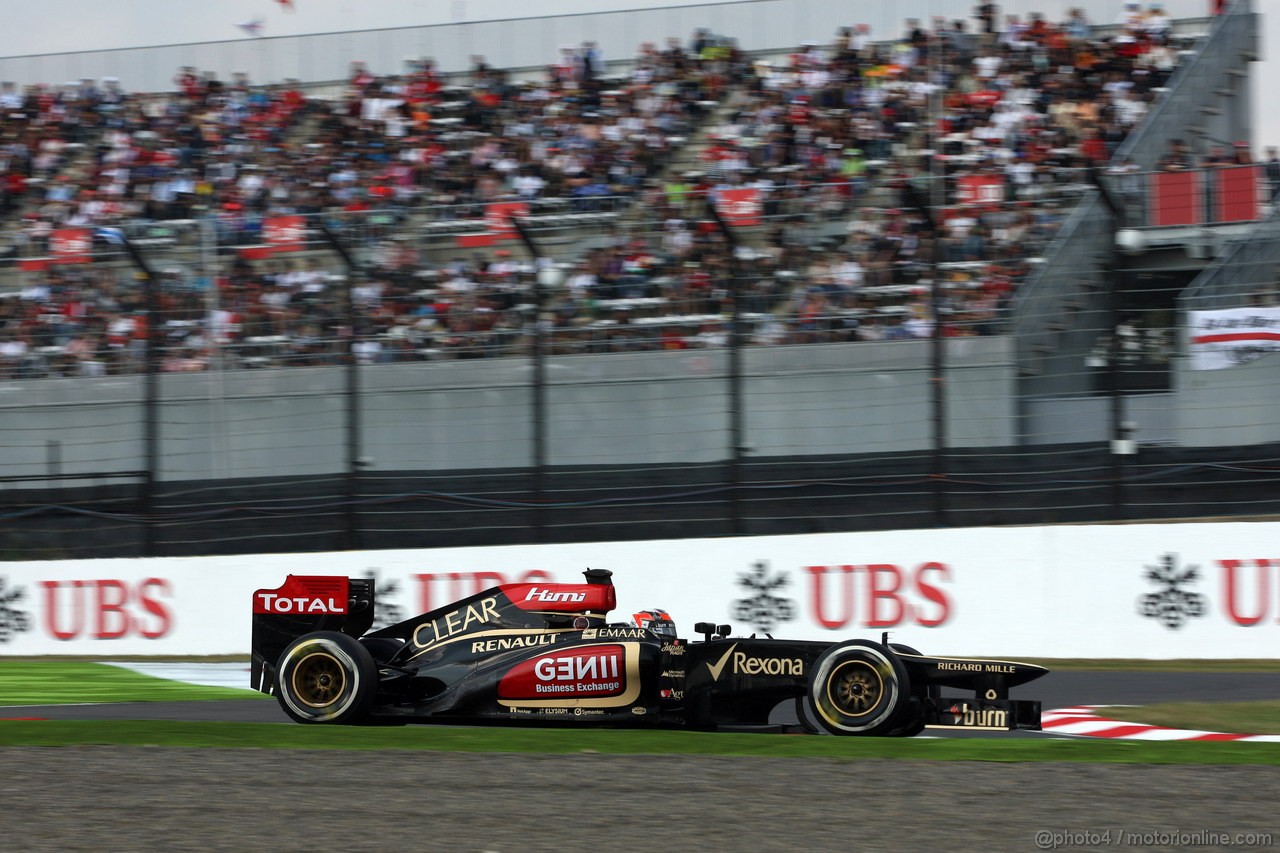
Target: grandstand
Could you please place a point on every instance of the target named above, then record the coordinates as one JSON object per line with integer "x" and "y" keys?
{"x": 711, "y": 288}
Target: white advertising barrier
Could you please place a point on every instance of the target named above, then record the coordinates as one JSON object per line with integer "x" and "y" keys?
{"x": 1141, "y": 591}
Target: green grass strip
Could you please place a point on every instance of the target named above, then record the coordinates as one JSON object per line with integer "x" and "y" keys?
{"x": 70, "y": 682}
{"x": 1249, "y": 718}
{"x": 614, "y": 742}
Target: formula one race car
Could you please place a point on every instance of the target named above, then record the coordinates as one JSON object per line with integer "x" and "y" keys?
{"x": 544, "y": 653}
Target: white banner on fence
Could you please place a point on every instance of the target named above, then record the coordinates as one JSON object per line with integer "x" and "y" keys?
{"x": 1134, "y": 591}
{"x": 1233, "y": 336}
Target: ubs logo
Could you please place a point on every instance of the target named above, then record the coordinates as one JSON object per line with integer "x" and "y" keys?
{"x": 12, "y": 620}
{"x": 1172, "y": 604}
{"x": 765, "y": 609}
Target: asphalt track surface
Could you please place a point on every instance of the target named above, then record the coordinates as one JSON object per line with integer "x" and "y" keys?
{"x": 105, "y": 799}
{"x": 1055, "y": 690}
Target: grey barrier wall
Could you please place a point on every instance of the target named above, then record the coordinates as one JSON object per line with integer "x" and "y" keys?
{"x": 1232, "y": 408}
{"x": 523, "y": 41}
{"x": 1236, "y": 407}
{"x": 1086, "y": 419}
{"x": 639, "y": 408}
{"x": 636, "y": 408}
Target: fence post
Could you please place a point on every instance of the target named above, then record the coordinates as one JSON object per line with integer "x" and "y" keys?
{"x": 937, "y": 355}
{"x": 1119, "y": 444}
{"x": 151, "y": 430}
{"x": 150, "y": 386}
{"x": 737, "y": 450}
{"x": 351, "y": 396}
{"x": 938, "y": 383}
{"x": 548, "y": 276}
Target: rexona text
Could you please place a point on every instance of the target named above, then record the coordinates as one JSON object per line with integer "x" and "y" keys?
{"x": 749, "y": 665}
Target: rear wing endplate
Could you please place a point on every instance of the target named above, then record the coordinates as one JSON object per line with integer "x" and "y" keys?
{"x": 301, "y": 605}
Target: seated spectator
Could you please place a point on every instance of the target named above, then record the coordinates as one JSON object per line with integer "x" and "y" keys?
{"x": 1177, "y": 157}
{"x": 842, "y": 133}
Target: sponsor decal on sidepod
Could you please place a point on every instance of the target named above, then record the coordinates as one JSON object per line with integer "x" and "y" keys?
{"x": 591, "y": 672}
{"x": 745, "y": 664}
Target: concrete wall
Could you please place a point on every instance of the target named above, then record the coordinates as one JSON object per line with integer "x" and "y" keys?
{"x": 640, "y": 408}
{"x": 1222, "y": 408}
{"x": 619, "y": 409}
{"x": 1069, "y": 420}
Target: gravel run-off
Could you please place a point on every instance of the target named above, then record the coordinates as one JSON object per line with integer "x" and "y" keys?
{"x": 158, "y": 799}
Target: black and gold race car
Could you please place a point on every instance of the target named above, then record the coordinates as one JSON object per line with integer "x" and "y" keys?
{"x": 546, "y": 653}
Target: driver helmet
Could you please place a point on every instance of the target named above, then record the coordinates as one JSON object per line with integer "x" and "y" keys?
{"x": 656, "y": 620}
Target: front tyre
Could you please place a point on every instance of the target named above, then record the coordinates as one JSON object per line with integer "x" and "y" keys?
{"x": 921, "y": 692}
{"x": 859, "y": 688}
{"x": 326, "y": 677}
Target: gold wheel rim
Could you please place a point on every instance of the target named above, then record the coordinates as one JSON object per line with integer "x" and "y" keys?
{"x": 319, "y": 680}
{"x": 855, "y": 688}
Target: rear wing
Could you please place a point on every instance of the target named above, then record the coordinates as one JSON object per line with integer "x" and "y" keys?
{"x": 301, "y": 605}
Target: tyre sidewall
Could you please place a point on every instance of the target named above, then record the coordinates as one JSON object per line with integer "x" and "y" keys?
{"x": 876, "y": 663}
{"x": 921, "y": 691}
{"x": 353, "y": 660}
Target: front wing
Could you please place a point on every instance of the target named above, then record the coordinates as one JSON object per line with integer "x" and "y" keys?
{"x": 992, "y": 715}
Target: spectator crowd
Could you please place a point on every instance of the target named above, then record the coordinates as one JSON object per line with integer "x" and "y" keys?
{"x": 858, "y": 149}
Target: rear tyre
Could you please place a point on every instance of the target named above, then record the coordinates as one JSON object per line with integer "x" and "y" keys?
{"x": 859, "y": 688}
{"x": 326, "y": 677}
